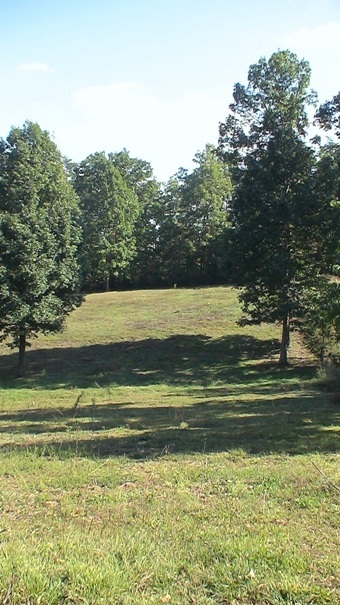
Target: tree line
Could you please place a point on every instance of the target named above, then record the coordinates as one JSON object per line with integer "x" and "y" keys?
{"x": 138, "y": 233}
{"x": 260, "y": 210}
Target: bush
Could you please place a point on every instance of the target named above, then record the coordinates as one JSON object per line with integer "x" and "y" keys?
{"x": 321, "y": 323}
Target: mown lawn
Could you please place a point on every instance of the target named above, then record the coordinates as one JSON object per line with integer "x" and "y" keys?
{"x": 156, "y": 453}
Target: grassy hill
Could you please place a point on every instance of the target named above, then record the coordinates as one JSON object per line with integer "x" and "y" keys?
{"x": 156, "y": 453}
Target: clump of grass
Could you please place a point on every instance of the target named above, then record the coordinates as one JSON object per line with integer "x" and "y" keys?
{"x": 328, "y": 378}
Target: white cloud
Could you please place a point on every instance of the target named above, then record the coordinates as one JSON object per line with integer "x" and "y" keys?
{"x": 325, "y": 37}
{"x": 125, "y": 114}
{"x": 37, "y": 67}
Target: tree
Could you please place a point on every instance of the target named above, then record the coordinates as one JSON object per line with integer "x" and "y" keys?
{"x": 328, "y": 118}
{"x": 109, "y": 211}
{"x": 321, "y": 322}
{"x": 192, "y": 231}
{"x": 174, "y": 247}
{"x": 328, "y": 115}
{"x": 277, "y": 210}
{"x": 206, "y": 195}
{"x": 138, "y": 174}
{"x": 39, "y": 237}
{"x": 328, "y": 184}
{"x": 321, "y": 325}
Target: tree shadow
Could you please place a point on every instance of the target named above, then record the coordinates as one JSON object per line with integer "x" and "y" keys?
{"x": 243, "y": 400}
{"x": 287, "y": 424}
{"x": 176, "y": 360}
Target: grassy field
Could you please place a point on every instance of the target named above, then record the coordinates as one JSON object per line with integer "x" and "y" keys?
{"x": 156, "y": 453}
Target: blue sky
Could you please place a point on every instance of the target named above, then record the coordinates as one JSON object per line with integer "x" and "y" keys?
{"x": 154, "y": 76}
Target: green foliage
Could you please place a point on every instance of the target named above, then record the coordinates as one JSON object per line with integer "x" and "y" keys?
{"x": 174, "y": 247}
{"x": 136, "y": 172}
{"x": 144, "y": 267}
{"x": 39, "y": 236}
{"x": 328, "y": 115}
{"x": 192, "y": 232}
{"x": 328, "y": 118}
{"x": 328, "y": 184}
{"x": 275, "y": 215}
{"x": 206, "y": 195}
{"x": 274, "y": 101}
{"x": 281, "y": 209}
{"x": 109, "y": 209}
{"x": 321, "y": 319}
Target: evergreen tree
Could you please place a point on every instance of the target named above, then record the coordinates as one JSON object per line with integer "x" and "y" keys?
{"x": 39, "y": 237}
{"x": 109, "y": 211}
{"x": 280, "y": 218}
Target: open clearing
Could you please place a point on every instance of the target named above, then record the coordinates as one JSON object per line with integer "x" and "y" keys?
{"x": 156, "y": 453}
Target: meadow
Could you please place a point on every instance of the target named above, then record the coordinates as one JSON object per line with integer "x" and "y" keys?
{"x": 156, "y": 453}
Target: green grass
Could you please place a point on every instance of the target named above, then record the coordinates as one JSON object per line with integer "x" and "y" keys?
{"x": 156, "y": 453}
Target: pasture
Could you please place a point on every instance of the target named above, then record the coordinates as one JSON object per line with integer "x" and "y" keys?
{"x": 155, "y": 453}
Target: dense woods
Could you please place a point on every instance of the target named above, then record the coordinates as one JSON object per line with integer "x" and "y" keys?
{"x": 260, "y": 210}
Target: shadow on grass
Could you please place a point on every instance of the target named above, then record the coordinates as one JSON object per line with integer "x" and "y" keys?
{"x": 177, "y": 360}
{"x": 242, "y": 401}
{"x": 286, "y": 424}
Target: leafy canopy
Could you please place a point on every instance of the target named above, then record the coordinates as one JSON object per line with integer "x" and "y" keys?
{"x": 109, "y": 211}
{"x": 39, "y": 235}
{"x": 280, "y": 213}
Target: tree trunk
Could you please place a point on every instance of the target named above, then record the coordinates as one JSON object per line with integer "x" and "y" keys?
{"x": 284, "y": 340}
{"x": 22, "y": 355}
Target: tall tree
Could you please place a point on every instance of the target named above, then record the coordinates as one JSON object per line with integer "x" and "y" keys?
{"x": 138, "y": 175}
{"x": 39, "y": 237}
{"x": 277, "y": 210}
{"x": 321, "y": 325}
{"x": 206, "y": 195}
{"x": 328, "y": 118}
{"x": 109, "y": 211}
{"x": 192, "y": 232}
{"x": 174, "y": 247}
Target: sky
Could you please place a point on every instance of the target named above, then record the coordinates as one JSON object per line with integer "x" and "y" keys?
{"x": 153, "y": 76}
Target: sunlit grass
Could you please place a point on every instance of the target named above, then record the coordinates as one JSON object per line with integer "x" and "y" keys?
{"x": 156, "y": 453}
